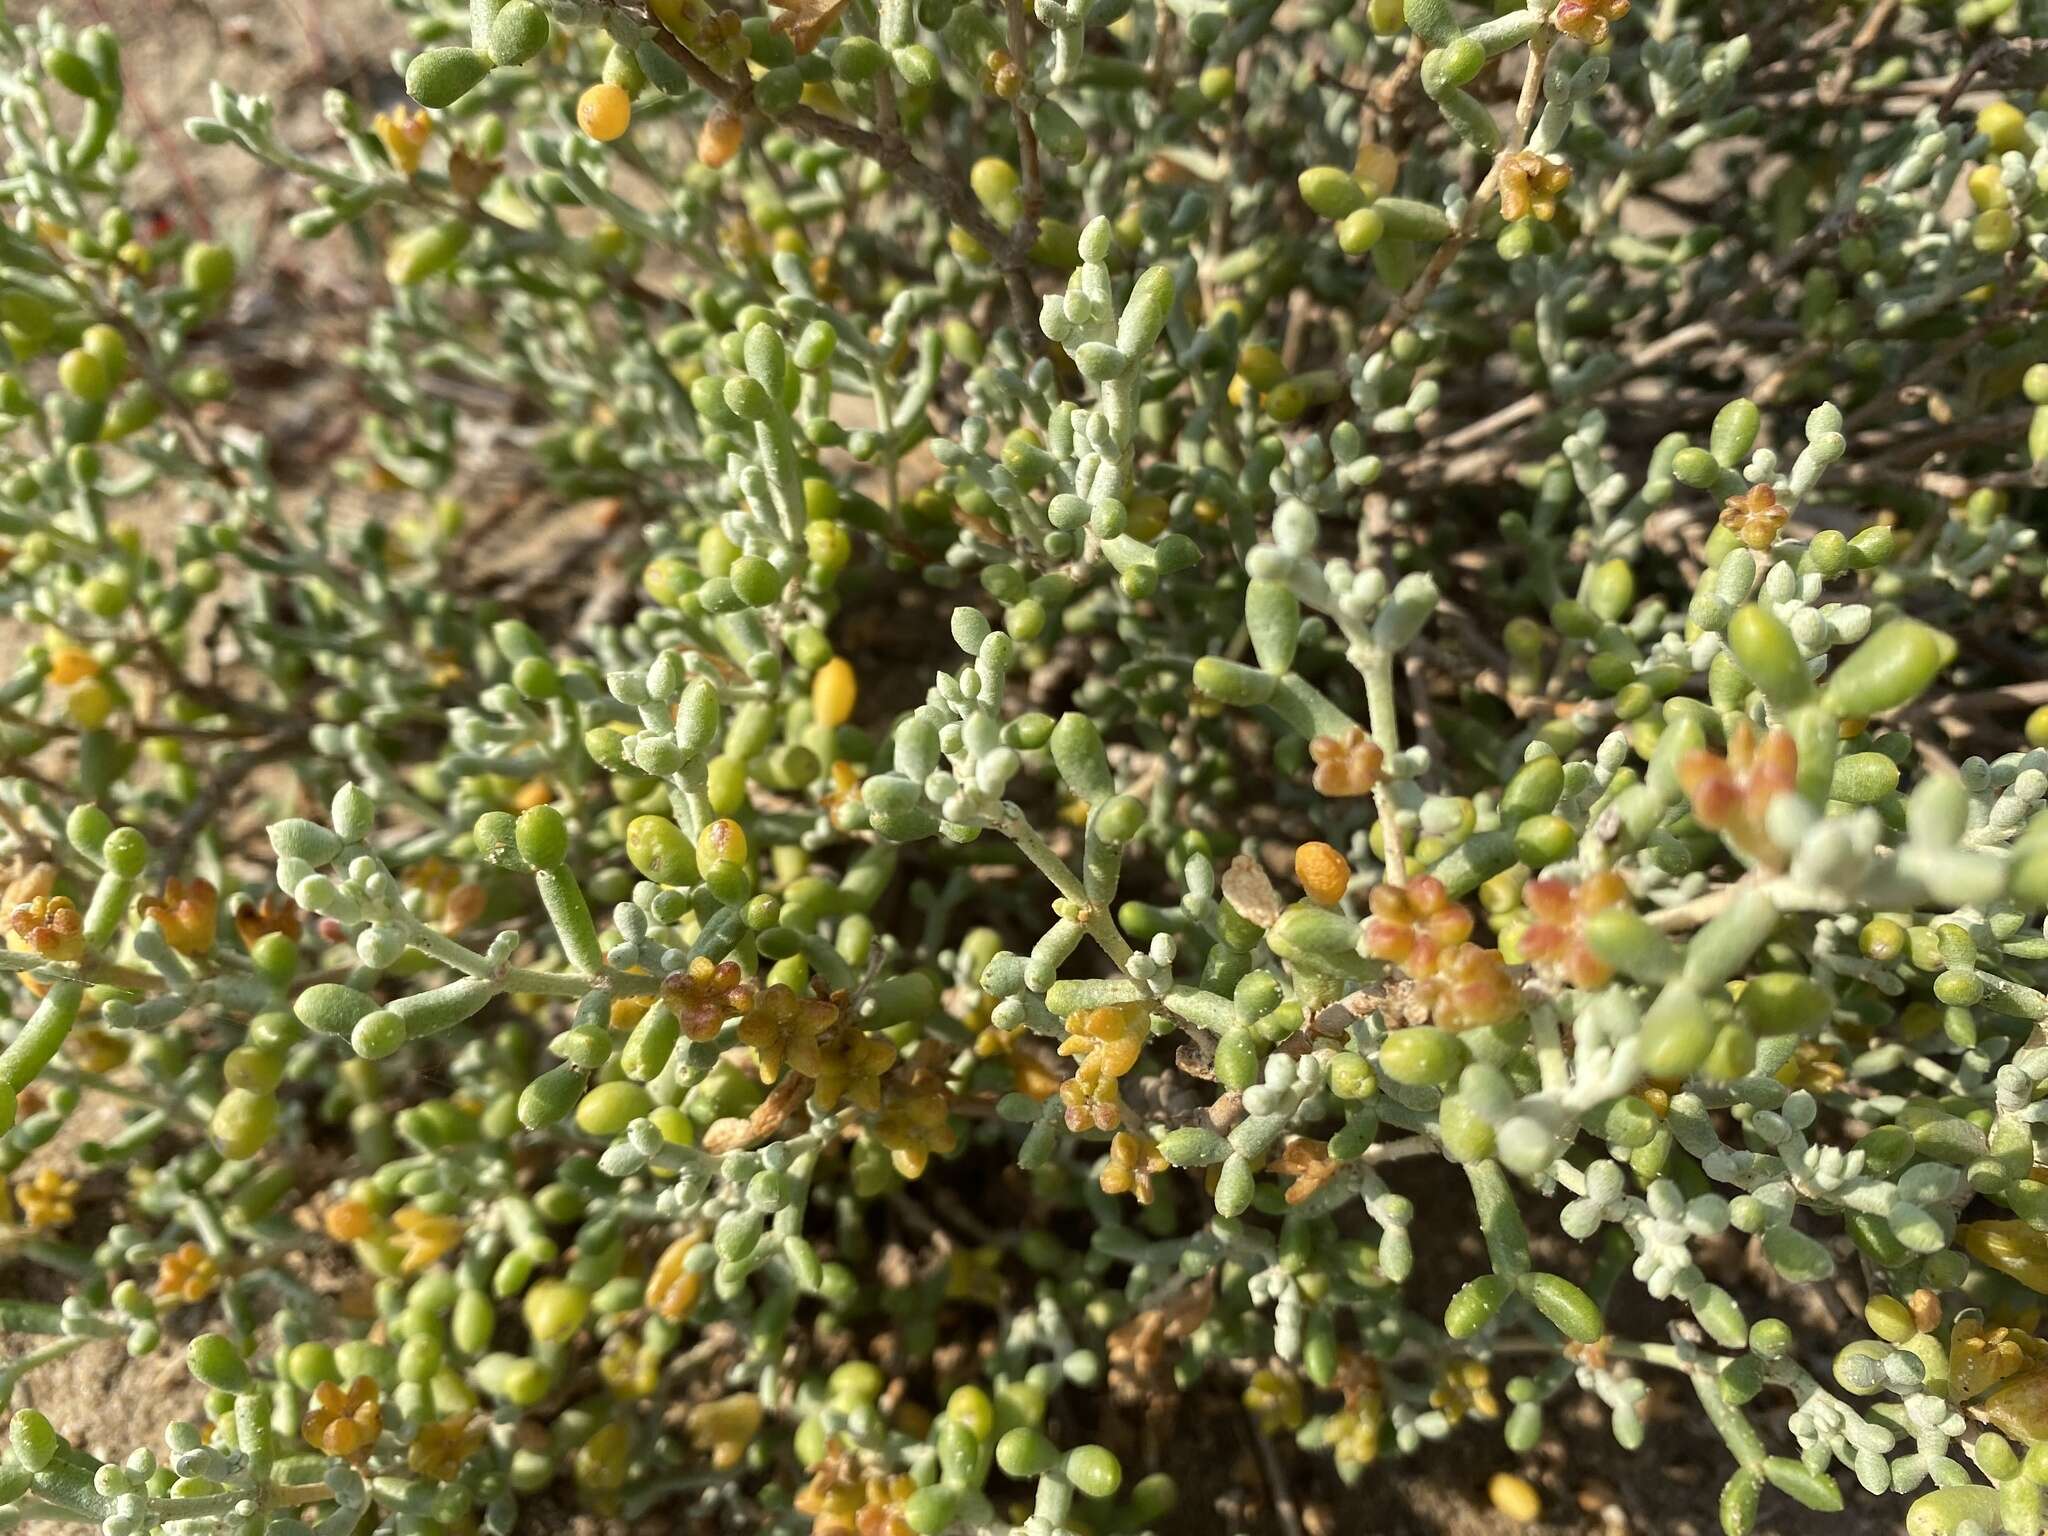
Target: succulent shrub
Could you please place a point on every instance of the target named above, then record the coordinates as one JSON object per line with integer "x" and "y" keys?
{"x": 1220, "y": 619}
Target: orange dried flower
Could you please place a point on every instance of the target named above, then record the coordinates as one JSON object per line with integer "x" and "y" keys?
{"x": 1755, "y": 517}
{"x": 187, "y": 1273}
{"x": 781, "y": 1027}
{"x": 841, "y": 1502}
{"x": 1309, "y": 1164}
{"x": 806, "y": 22}
{"x": 1731, "y": 795}
{"x": 845, "y": 1063}
{"x": 1470, "y": 988}
{"x": 1555, "y": 942}
{"x": 51, "y": 926}
{"x": 432, "y": 878}
{"x": 1030, "y": 1073}
{"x": 27, "y": 884}
{"x": 1346, "y": 765}
{"x": 1411, "y": 926}
{"x": 187, "y": 912}
{"x": 442, "y": 897}
{"x": 1531, "y": 185}
{"x": 1134, "y": 1158}
{"x": 706, "y": 995}
{"x": 1420, "y": 930}
{"x": 465, "y": 905}
{"x": 273, "y": 914}
{"x": 1587, "y": 21}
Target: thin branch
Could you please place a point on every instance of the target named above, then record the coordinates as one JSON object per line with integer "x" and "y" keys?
{"x": 1281, "y": 1496}
{"x": 1874, "y": 25}
{"x": 1417, "y": 293}
{"x": 1027, "y": 136}
{"x": 1009, "y": 250}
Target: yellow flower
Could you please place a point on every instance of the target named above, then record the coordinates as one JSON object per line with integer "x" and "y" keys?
{"x": 444, "y": 1445}
{"x": 724, "y": 1427}
{"x": 630, "y": 1368}
{"x": 672, "y": 1288}
{"x": 423, "y": 1237}
{"x": 69, "y": 666}
{"x": 845, "y": 790}
{"x": 97, "y": 1050}
{"x": 344, "y": 1424}
{"x": 847, "y": 1063}
{"x": 1353, "y": 1438}
{"x": 1465, "y": 1387}
{"x": 1107, "y": 1041}
{"x": 1353, "y": 1434}
{"x": 975, "y": 1274}
{"x": 404, "y": 134}
{"x": 1530, "y": 184}
{"x": 626, "y": 1012}
{"x": 1274, "y": 1400}
{"x": 1980, "y": 1357}
{"x": 532, "y": 794}
{"x": 1813, "y": 1066}
{"x": 600, "y": 1462}
{"x": 46, "y": 1200}
{"x": 349, "y": 1221}
{"x": 913, "y": 1123}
